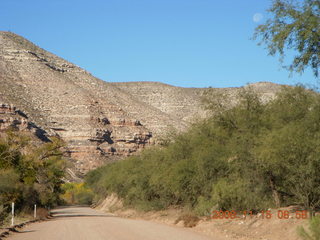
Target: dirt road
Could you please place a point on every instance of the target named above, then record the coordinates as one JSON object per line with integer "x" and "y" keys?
{"x": 83, "y": 223}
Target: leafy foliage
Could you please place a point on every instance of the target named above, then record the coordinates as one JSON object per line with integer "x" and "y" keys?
{"x": 77, "y": 193}
{"x": 29, "y": 173}
{"x": 251, "y": 156}
{"x": 294, "y": 25}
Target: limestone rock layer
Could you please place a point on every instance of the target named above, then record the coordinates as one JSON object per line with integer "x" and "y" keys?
{"x": 99, "y": 121}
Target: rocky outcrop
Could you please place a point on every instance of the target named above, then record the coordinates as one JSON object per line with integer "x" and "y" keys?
{"x": 11, "y": 118}
{"x": 66, "y": 101}
{"x": 100, "y": 122}
{"x": 14, "y": 119}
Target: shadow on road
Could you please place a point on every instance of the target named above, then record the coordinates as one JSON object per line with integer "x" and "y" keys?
{"x": 79, "y": 215}
{"x": 26, "y": 231}
{"x": 76, "y": 211}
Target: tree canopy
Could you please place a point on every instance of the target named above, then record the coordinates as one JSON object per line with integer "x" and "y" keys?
{"x": 293, "y": 25}
{"x": 30, "y": 172}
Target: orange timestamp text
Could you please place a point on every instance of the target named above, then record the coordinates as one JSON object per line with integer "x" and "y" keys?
{"x": 280, "y": 214}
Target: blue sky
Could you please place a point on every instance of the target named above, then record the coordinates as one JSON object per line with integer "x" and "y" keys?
{"x": 189, "y": 43}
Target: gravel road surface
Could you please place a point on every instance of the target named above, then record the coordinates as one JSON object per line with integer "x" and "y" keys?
{"x": 83, "y": 223}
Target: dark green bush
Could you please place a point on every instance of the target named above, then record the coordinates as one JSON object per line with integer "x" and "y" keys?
{"x": 250, "y": 156}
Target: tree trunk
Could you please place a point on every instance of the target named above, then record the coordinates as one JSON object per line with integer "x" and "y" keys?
{"x": 275, "y": 193}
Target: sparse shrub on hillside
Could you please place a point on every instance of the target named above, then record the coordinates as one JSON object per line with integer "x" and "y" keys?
{"x": 251, "y": 156}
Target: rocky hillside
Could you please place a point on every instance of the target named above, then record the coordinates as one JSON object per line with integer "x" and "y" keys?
{"x": 13, "y": 119}
{"x": 99, "y": 121}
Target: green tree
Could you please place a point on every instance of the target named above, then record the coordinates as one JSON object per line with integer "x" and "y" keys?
{"x": 246, "y": 156}
{"x": 293, "y": 25}
{"x": 77, "y": 193}
{"x": 50, "y": 165}
{"x": 30, "y": 171}
{"x": 9, "y": 186}
{"x": 289, "y": 150}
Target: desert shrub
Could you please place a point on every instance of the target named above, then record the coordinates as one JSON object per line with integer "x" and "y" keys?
{"x": 10, "y": 186}
{"x": 313, "y": 233}
{"x": 85, "y": 198}
{"x": 42, "y": 213}
{"x": 3, "y": 214}
{"x": 240, "y": 194}
{"x": 205, "y": 206}
{"x": 250, "y": 156}
{"x": 77, "y": 193}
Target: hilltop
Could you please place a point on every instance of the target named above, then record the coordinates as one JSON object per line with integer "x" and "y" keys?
{"x": 100, "y": 121}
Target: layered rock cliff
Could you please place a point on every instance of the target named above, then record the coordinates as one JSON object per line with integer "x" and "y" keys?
{"x": 99, "y": 121}
{"x": 12, "y": 118}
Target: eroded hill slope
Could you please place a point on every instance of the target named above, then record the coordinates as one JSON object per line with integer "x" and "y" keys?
{"x": 99, "y": 121}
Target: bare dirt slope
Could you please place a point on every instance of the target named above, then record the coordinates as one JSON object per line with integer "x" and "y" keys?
{"x": 185, "y": 104}
{"x": 82, "y": 223}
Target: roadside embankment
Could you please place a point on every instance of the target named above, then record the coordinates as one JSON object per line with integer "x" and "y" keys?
{"x": 22, "y": 220}
{"x": 259, "y": 226}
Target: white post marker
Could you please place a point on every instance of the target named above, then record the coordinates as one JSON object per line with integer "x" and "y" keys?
{"x": 35, "y": 211}
{"x": 12, "y": 219}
